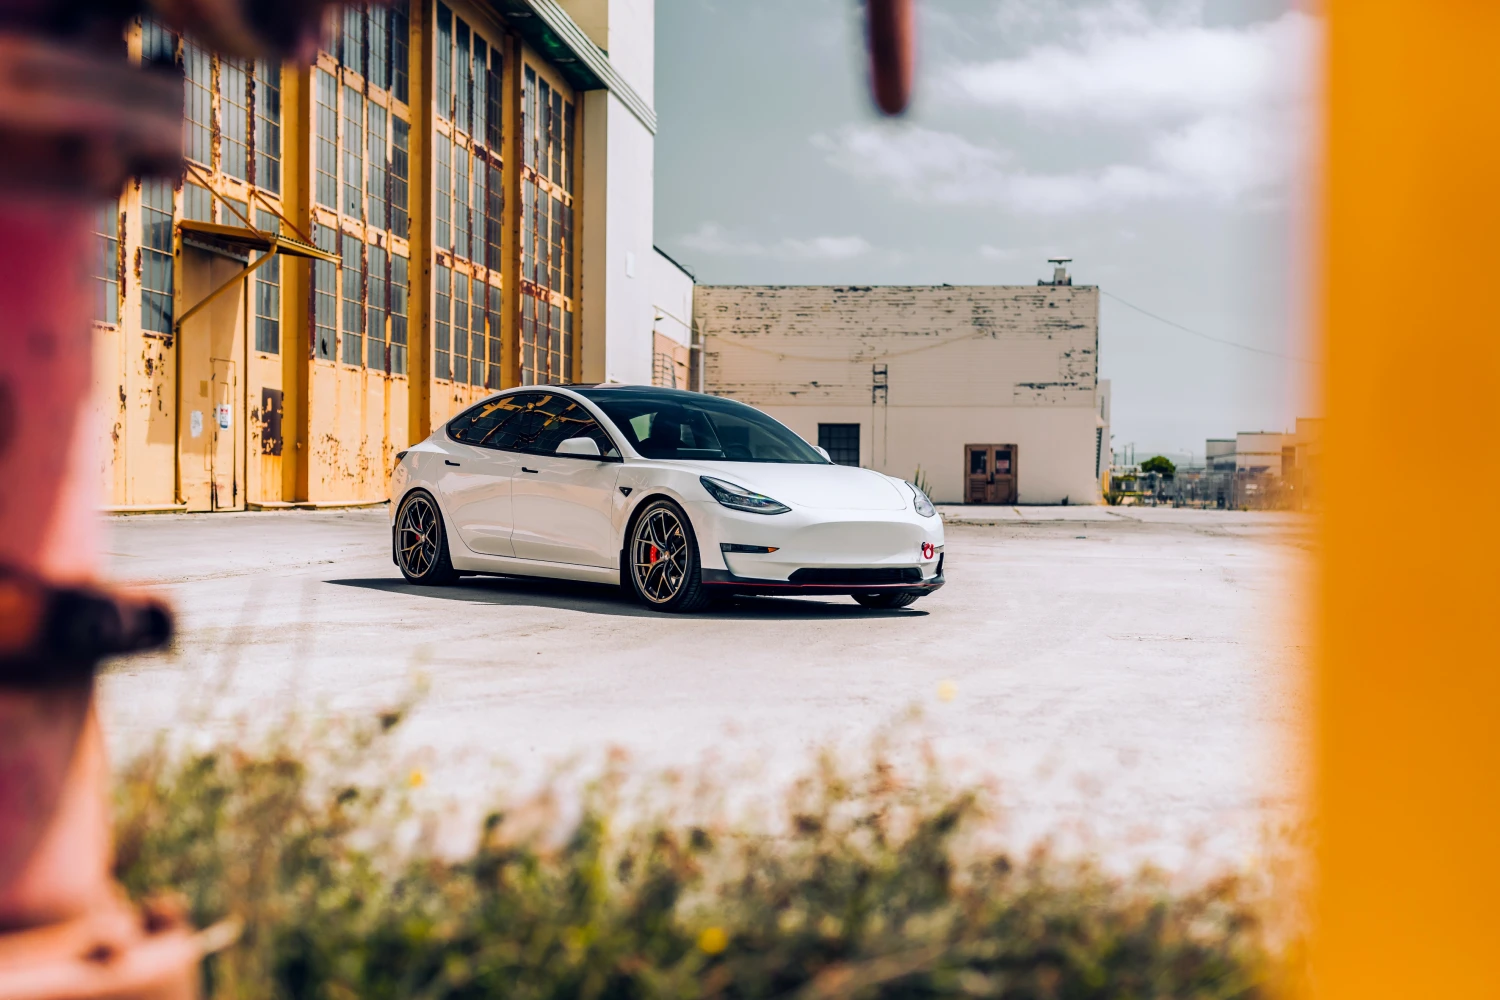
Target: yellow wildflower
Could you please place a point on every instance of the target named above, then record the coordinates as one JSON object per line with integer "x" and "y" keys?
{"x": 713, "y": 940}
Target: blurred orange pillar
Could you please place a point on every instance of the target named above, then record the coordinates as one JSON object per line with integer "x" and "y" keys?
{"x": 1408, "y": 695}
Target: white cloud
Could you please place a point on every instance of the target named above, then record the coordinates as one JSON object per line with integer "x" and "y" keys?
{"x": 711, "y": 238}
{"x": 1217, "y": 113}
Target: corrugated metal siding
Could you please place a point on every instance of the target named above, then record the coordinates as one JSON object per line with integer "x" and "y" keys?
{"x": 977, "y": 345}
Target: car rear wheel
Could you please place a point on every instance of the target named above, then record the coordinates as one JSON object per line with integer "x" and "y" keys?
{"x": 661, "y": 560}
{"x": 887, "y": 599}
{"x": 421, "y": 542}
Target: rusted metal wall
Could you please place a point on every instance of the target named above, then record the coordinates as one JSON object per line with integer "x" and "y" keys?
{"x": 923, "y": 370}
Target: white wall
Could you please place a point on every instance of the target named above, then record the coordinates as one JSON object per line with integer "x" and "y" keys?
{"x": 671, "y": 298}
{"x": 964, "y": 365}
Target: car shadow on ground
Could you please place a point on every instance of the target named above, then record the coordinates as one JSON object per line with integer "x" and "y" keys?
{"x": 605, "y": 600}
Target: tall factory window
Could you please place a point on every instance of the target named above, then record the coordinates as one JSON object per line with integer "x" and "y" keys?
{"x": 233, "y": 118}
{"x": 377, "y": 308}
{"x": 327, "y": 193}
{"x": 400, "y": 171}
{"x": 158, "y": 43}
{"x": 268, "y": 125}
{"x": 377, "y": 154}
{"x": 494, "y": 218}
{"x": 399, "y": 289}
{"x": 841, "y": 441}
{"x": 495, "y": 133}
{"x": 325, "y": 294}
{"x": 353, "y": 143}
{"x": 477, "y": 316}
{"x": 442, "y": 333}
{"x": 156, "y": 256}
{"x": 107, "y": 262}
{"x": 461, "y": 207}
{"x": 443, "y": 167}
{"x": 354, "y": 313}
{"x": 444, "y": 61}
{"x": 546, "y": 290}
{"x": 380, "y": 64}
{"x": 479, "y": 77}
{"x": 197, "y": 68}
{"x": 268, "y": 291}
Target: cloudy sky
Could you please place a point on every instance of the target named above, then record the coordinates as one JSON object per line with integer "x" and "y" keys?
{"x": 1161, "y": 144}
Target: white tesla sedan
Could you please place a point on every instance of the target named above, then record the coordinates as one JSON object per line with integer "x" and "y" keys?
{"x": 677, "y": 495}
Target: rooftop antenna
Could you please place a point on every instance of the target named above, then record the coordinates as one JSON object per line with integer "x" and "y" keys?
{"x": 1059, "y": 271}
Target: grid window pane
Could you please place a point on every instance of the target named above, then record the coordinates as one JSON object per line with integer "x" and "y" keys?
{"x": 354, "y": 39}
{"x": 462, "y": 92}
{"x": 327, "y": 193}
{"x": 377, "y": 308}
{"x": 460, "y": 328}
{"x": 377, "y": 159}
{"x": 353, "y": 145}
{"x": 476, "y": 332}
{"x": 353, "y": 299}
{"x": 400, "y": 61}
{"x": 443, "y": 167}
{"x": 399, "y": 291}
{"x": 400, "y": 167}
{"x": 156, "y": 256}
{"x": 234, "y": 118}
{"x": 442, "y": 333}
{"x": 492, "y": 376}
{"x": 268, "y": 125}
{"x": 377, "y": 23}
{"x": 444, "y": 61}
{"x": 460, "y": 201}
{"x": 841, "y": 441}
{"x": 107, "y": 262}
{"x": 197, "y": 69}
{"x": 268, "y": 291}
{"x": 197, "y": 203}
{"x": 325, "y": 294}
{"x": 479, "y": 74}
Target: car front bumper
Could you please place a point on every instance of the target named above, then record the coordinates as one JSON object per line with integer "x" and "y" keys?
{"x": 724, "y": 580}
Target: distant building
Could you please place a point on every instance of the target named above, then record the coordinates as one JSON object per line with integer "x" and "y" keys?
{"x": 1258, "y": 451}
{"x": 1218, "y": 455}
{"x": 992, "y": 391}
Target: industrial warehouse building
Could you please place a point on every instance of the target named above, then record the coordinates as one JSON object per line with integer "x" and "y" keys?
{"x": 990, "y": 393}
{"x": 455, "y": 198}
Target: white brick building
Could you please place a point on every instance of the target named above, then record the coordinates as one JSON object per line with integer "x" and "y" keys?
{"x": 992, "y": 391}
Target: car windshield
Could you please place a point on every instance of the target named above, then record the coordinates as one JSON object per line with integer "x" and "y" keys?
{"x": 671, "y": 423}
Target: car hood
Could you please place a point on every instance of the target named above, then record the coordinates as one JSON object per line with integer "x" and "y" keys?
{"x": 814, "y": 486}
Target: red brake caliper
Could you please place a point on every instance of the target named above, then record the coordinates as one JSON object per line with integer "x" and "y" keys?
{"x": 655, "y": 553}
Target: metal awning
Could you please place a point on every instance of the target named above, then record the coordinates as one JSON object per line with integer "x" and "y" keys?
{"x": 245, "y": 239}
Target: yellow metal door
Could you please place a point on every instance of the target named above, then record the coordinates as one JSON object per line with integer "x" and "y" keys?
{"x": 211, "y": 413}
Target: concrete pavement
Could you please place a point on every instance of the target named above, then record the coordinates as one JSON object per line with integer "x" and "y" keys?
{"x": 1127, "y": 674}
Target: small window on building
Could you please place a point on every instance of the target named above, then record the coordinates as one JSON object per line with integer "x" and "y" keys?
{"x": 327, "y": 193}
{"x": 354, "y": 307}
{"x": 107, "y": 262}
{"x": 841, "y": 441}
{"x": 234, "y": 119}
{"x": 156, "y": 256}
{"x": 158, "y": 43}
{"x": 268, "y": 125}
{"x": 268, "y": 292}
{"x": 236, "y": 212}
{"x": 197, "y": 203}
{"x": 325, "y": 294}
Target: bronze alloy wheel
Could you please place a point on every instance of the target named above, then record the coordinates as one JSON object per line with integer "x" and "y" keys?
{"x": 421, "y": 548}
{"x": 663, "y": 559}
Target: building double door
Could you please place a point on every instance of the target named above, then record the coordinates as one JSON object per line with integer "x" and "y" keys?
{"x": 990, "y": 473}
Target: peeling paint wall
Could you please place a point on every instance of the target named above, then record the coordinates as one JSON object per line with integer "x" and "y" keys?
{"x": 923, "y": 371}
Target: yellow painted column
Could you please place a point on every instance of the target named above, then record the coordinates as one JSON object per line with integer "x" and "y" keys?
{"x": 1408, "y": 695}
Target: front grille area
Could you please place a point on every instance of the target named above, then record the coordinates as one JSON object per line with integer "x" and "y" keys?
{"x": 857, "y": 577}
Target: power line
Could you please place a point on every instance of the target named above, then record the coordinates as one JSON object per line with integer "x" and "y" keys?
{"x": 1205, "y": 336}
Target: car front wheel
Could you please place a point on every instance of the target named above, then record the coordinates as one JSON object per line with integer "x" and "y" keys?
{"x": 421, "y": 542}
{"x": 661, "y": 560}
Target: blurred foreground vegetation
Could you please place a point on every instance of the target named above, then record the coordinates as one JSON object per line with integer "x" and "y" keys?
{"x": 872, "y": 881}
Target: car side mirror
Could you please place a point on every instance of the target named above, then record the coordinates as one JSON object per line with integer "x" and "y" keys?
{"x": 822, "y": 451}
{"x": 585, "y": 446}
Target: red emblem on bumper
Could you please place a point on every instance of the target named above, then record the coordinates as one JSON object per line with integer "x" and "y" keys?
{"x": 928, "y": 550}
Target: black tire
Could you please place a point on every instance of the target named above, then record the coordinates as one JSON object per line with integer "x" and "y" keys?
{"x": 888, "y": 600}
{"x": 421, "y": 542}
{"x": 661, "y": 565}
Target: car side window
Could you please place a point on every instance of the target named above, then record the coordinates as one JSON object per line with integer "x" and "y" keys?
{"x": 495, "y": 423}
{"x": 556, "y": 418}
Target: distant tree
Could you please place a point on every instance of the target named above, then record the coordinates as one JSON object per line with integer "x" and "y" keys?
{"x": 1161, "y": 464}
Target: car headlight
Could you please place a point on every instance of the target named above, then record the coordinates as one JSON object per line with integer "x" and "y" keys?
{"x": 924, "y": 505}
{"x": 738, "y": 498}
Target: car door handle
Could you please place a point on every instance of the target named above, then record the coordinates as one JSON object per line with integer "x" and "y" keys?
{"x": 532, "y": 471}
{"x": 447, "y": 462}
